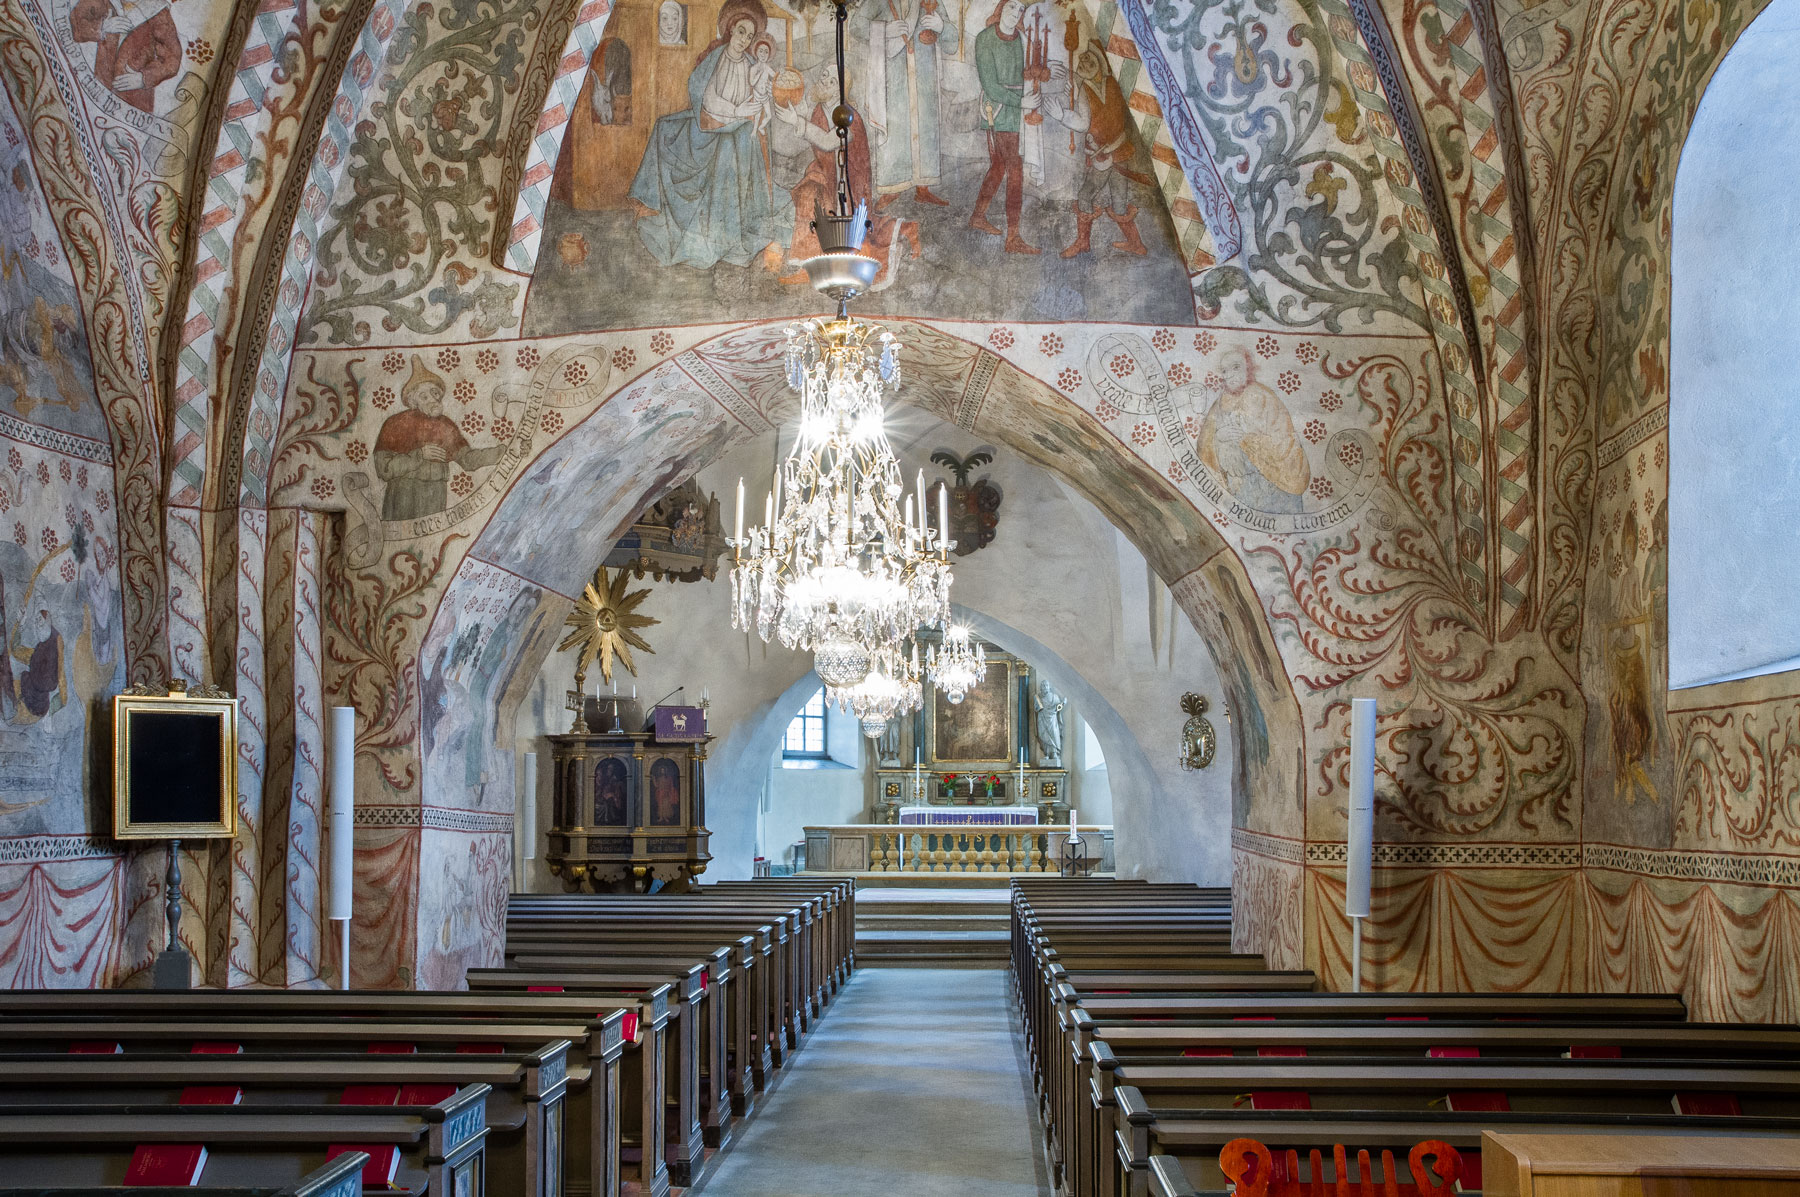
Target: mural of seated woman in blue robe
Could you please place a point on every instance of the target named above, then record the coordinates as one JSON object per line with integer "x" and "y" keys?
{"x": 704, "y": 180}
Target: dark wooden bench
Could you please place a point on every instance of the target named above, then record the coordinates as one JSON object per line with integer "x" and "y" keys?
{"x": 313, "y": 1022}
{"x": 525, "y": 1109}
{"x": 438, "y": 1148}
{"x": 340, "y": 1176}
{"x": 1195, "y": 1141}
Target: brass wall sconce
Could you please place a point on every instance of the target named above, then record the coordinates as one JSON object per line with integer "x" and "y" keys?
{"x": 1198, "y": 740}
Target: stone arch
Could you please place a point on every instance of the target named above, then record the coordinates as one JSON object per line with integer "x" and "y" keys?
{"x": 650, "y": 434}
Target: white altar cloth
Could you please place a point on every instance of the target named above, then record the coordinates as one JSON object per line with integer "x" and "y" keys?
{"x": 968, "y": 816}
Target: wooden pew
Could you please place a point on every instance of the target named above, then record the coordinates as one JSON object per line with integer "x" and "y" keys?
{"x": 775, "y": 972}
{"x": 525, "y": 1113}
{"x": 757, "y": 965}
{"x": 728, "y": 1014}
{"x": 439, "y": 1148}
{"x": 805, "y": 951}
{"x": 684, "y": 1145}
{"x": 810, "y": 936}
{"x": 304, "y": 1021}
{"x": 1194, "y": 1140}
{"x": 340, "y": 1176}
{"x": 723, "y": 986}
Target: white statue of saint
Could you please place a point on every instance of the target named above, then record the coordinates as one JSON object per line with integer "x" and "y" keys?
{"x": 1048, "y": 706}
{"x": 887, "y": 747}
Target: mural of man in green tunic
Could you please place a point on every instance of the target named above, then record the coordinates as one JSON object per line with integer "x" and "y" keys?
{"x": 1000, "y": 65}
{"x": 416, "y": 448}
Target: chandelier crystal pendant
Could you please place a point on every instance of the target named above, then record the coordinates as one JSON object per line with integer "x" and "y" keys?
{"x": 958, "y": 665}
{"x": 891, "y": 689}
{"x": 845, "y": 564}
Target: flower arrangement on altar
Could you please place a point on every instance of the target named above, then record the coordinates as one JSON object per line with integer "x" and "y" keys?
{"x": 949, "y": 781}
{"x": 991, "y": 783}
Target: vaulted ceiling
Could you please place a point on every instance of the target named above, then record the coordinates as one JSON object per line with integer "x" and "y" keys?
{"x": 1391, "y": 304}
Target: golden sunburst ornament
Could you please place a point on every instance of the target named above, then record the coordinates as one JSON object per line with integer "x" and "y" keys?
{"x": 605, "y": 620}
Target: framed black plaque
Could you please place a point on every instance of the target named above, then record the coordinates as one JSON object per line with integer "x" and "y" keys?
{"x": 174, "y": 767}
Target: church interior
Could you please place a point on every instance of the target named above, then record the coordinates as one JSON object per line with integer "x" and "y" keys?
{"x": 1046, "y": 598}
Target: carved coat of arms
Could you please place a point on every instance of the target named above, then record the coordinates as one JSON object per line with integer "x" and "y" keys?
{"x": 974, "y": 506}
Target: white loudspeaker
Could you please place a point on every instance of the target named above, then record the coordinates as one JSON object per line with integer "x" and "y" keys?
{"x": 341, "y": 753}
{"x": 1362, "y": 807}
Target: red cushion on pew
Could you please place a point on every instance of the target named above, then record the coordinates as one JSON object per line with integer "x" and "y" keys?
{"x": 211, "y": 1095}
{"x": 1594, "y": 1051}
{"x": 1452, "y": 1053}
{"x": 384, "y": 1161}
{"x": 544, "y": 989}
{"x": 166, "y": 1164}
{"x": 1271, "y": 1053}
{"x": 481, "y": 1049}
{"x": 369, "y": 1095}
{"x": 1207, "y": 1052}
{"x": 1254, "y": 1018}
{"x": 380, "y": 1048}
{"x": 95, "y": 1047}
{"x": 1280, "y": 1099}
{"x": 204, "y": 1048}
{"x": 1098, "y": 992}
{"x": 1477, "y": 1101}
{"x": 1408, "y": 1018}
{"x": 1711, "y": 1105}
{"x": 422, "y": 1094}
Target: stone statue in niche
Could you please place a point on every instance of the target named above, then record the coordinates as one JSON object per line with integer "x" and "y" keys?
{"x": 887, "y": 747}
{"x": 1047, "y": 708}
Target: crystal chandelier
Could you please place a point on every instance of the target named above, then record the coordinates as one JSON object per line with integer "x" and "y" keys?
{"x": 958, "y": 664}
{"x": 891, "y": 689}
{"x": 844, "y": 564}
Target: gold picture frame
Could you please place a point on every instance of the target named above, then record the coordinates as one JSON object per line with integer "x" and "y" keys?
{"x": 175, "y": 766}
{"x": 964, "y": 735}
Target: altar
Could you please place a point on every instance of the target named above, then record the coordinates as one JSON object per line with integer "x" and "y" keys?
{"x": 970, "y": 763}
{"x": 954, "y": 816}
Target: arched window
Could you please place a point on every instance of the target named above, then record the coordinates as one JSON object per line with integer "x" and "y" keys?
{"x": 805, "y": 737}
{"x": 1734, "y": 385}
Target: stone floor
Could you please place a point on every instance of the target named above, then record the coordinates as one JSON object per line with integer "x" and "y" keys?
{"x": 912, "y": 1085}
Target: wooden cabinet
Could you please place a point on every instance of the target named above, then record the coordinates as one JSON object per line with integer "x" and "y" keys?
{"x": 626, "y": 811}
{"x": 1639, "y": 1165}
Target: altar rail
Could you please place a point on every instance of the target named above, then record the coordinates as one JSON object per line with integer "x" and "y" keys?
{"x": 885, "y": 848}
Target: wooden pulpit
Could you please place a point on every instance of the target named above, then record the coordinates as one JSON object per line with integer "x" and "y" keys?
{"x": 629, "y": 809}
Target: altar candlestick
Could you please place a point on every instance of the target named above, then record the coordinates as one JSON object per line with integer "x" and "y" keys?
{"x": 1073, "y": 837}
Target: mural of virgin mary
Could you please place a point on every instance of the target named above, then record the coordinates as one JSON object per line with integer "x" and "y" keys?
{"x": 704, "y": 182}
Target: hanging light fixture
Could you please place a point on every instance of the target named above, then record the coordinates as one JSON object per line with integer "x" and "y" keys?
{"x": 845, "y": 564}
{"x": 891, "y": 689}
{"x": 958, "y": 665}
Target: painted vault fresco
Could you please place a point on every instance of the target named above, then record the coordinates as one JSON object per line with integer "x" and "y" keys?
{"x": 340, "y": 337}
{"x": 994, "y": 147}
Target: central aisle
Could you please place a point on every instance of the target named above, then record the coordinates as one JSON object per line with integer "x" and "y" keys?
{"x": 912, "y": 1084}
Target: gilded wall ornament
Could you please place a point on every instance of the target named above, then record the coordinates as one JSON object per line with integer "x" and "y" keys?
{"x": 1198, "y": 740}
{"x": 604, "y": 624}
